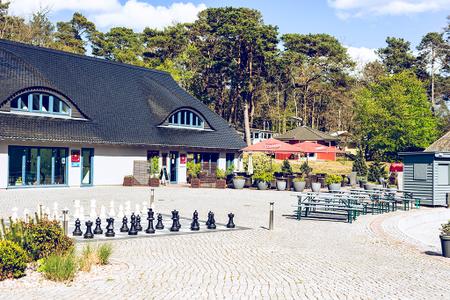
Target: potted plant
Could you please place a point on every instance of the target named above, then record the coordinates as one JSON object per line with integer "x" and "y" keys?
{"x": 194, "y": 170}
{"x": 154, "y": 171}
{"x": 128, "y": 180}
{"x": 221, "y": 182}
{"x": 238, "y": 182}
{"x": 445, "y": 239}
{"x": 263, "y": 179}
{"x": 334, "y": 182}
{"x": 286, "y": 170}
{"x": 299, "y": 184}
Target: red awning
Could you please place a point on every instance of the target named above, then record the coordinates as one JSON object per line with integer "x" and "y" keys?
{"x": 272, "y": 146}
{"x": 310, "y": 147}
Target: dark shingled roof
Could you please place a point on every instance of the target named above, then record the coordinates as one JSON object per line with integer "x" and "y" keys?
{"x": 304, "y": 133}
{"x": 122, "y": 104}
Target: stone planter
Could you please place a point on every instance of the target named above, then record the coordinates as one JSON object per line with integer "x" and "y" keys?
{"x": 281, "y": 185}
{"x": 299, "y": 186}
{"x": 315, "y": 187}
{"x": 238, "y": 183}
{"x": 129, "y": 181}
{"x": 445, "y": 244}
{"x": 221, "y": 183}
{"x": 195, "y": 183}
{"x": 262, "y": 185}
{"x": 334, "y": 187}
{"x": 153, "y": 182}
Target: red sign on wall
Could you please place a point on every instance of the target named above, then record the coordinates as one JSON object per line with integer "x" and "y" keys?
{"x": 75, "y": 158}
{"x": 183, "y": 159}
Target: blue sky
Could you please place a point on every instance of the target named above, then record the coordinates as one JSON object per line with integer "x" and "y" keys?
{"x": 361, "y": 25}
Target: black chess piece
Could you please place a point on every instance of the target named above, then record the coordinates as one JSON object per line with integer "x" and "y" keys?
{"x": 124, "y": 227}
{"x": 133, "y": 230}
{"x": 110, "y": 228}
{"x": 174, "y": 222}
{"x": 98, "y": 228}
{"x": 209, "y": 218}
{"x": 178, "y": 220}
{"x": 138, "y": 223}
{"x": 195, "y": 226}
{"x": 212, "y": 222}
{"x": 150, "y": 219}
{"x": 88, "y": 234}
{"x": 77, "y": 231}
{"x": 230, "y": 221}
{"x": 160, "y": 224}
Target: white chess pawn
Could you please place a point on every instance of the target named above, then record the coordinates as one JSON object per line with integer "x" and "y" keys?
{"x": 81, "y": 215}
{"x": 14, "y": 215}
{"x": 144, "y": 206}
{"x": 138, "y": 209}
{"x": 93, "y": 212}
{"x": 128, "y": 208}
{"x": 55, "y": 211}
{"x": 102, "y": 212}
{"x": 112, "y": 210}
{"x": 120, "y": 213}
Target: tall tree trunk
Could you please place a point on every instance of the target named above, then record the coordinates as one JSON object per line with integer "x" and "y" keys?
{"x": 247, "y": 124}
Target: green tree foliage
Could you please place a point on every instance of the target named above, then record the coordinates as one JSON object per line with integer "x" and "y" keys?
{"x": 73, "y": 36}
{"x": 397, "y": 55}
{"x": 286, "y": 167}
{"x": 359, "y": 164}
{"x": 394, "y": 115}
{"x": 377, "y": 169}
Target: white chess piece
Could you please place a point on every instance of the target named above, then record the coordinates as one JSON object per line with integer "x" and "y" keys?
{"x": 26, "y": 214}
{"x": 81, "y": 216}
{"x": 93, "y": 212}
{"x": 138, "y": 209}
{"x": 76, "y": 205}
{"x": 120, "y": 213}
{"x": 47, "y": 212}
{"x": 55, "y": 211}
{"x": 14, "y": 215}
{"x": 144, "y": 206}
{"x": 102, "y": 212}
{"x": 128, "y": 208}
{"x": 112, "y": 210}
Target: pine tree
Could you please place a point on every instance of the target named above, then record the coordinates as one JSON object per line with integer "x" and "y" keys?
{"x": 359, "y": 165}
{"x": 377, "y": 169}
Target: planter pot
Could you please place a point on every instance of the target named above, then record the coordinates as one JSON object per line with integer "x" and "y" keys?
{"x": 299, "y": 186}
{"x": 334, "y": 187}
{"x": 195, "y": 183}
{"x": 369, "y": 186}
{"x": 221, "y": 183}
{"x": 153, "y": 182}
{"x": 315, "y": 187}
{"x": 238, "y": 183}
{"x": 262, "y": 185}
{"x": 281, "y": 185}
{"x": 445, "y": 244}
{"x": 128, "y": 181}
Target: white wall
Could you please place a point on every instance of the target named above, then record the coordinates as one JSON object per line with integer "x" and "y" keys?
{"x": 222, "y": 162}
{"x": 182, "y": 170}
{"x": 3, "y": 165}
{"x": 112, "y": 164}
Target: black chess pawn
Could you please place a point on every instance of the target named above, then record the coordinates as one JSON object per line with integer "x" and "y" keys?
{"x": 209, "y": 218}
{"x": 195, "y": 226}
{"x": 150, "y": 219}
{"x": 133, "y": 230}
{"x": 212, "y": 222}
{"x": 110, "y": 228}
{"x": 77, "y": 231}
{"x": 174, "y": 221}
{"x": 230, "y": 221}
{"x": 124, "y": 227}
{"x": 138, "y": 223}
{"x": 160, "y": 224}
{"x": 88, "y": 234}
{"x": 98, "y": 228}
{"x": 178, "y": 220}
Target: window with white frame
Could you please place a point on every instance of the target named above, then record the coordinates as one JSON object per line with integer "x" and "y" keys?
{"x": 37, "y": 102}
{"x": 186, "y": 118}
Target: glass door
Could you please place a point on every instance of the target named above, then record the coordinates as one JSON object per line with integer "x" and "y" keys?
{"x": 173, "y": 167}
{"x": 87, "y": 157}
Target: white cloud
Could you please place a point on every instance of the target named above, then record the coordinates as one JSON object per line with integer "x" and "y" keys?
{"x": 359, "y": 8}
{"x": 362, "y": 56}
{"x": 136, "y": 14}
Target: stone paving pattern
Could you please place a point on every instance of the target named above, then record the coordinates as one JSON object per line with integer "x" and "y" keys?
{"x": 309, "y": 259}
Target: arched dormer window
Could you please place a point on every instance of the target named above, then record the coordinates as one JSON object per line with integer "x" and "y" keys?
{"x": 40, "y": 102}
{"x": 187, "y": 119}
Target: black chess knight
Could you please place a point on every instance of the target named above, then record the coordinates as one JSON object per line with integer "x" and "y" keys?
{"x": 110, "y": 228}
{"x": 212, "y": 222}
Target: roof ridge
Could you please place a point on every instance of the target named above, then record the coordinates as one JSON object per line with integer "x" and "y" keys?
{"x": 81, "y": 56}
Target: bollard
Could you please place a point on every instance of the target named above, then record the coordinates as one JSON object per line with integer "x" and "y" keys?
{"x": 152, "y": 198}
{"x": 40, "y": 211}
{"x": 271, "y": 216}
{"x": 65, "y": 221}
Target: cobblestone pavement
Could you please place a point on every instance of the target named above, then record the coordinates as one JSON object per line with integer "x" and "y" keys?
{"x": 310, "y": 259}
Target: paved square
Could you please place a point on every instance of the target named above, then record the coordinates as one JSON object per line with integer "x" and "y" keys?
{"x": 309, "y": 259}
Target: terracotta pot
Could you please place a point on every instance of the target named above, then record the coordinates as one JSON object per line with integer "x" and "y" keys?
{"x": 221, "y": 183}
{"x": 195, "y": 183}
{"x": 153, "y": 182}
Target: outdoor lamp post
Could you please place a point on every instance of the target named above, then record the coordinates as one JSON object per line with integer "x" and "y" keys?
{"x": 65, "y": 221}
{"x": 152, "y": 198}
{"x": 271, "y": 216}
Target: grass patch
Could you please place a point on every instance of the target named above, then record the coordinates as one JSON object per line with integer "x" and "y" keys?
{"x": 103, "y": 253}
{"x": 59, "y": 267}
{"x": 88, "y": 259}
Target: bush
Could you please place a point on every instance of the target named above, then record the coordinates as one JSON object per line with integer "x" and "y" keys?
{"x": 305, "y": 169}
{"x": 103, "y": 253}
{"x": 286, "y": 167}
{"x": 359, "y": 164}
{"x": 59, "y": 267}
{"x": 13, "y": 260}
{"x": 88, "y": 259}
{"x": 445, "y": 229}
{"x": 377, "y": 170}
{"x": 264, "y": 176}
{"x": 230, "y": 169}
{"x": 220, "y": 174}
{"x": 154, "y": 166}
{"x": 332, "y": 179}
{"x": 193, "y": 168}
{"x": 299, "y": 179}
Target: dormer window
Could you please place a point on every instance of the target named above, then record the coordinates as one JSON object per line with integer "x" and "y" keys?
{"x": 36, "y": 102}
{"x": 187, "y": 119}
